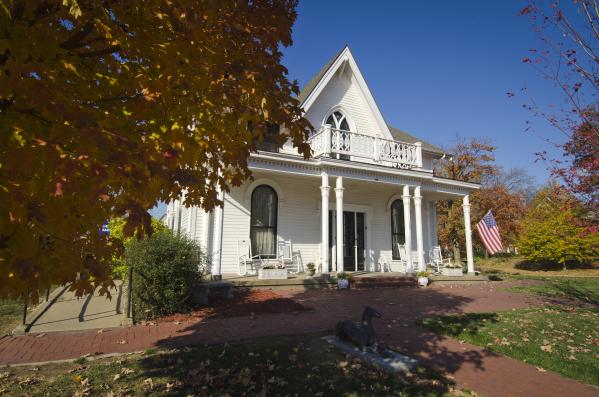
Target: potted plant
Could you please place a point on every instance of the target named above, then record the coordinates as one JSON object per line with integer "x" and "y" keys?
{"x": 272, "y": 271}
{"x": 311, "y": 269}
{"x": 343, "y": 280}
{"x": 422, "y": 278}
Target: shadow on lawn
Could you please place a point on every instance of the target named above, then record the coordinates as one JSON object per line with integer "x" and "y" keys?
{"x": 551, "y": 266}
{"x": 400, "y": 309}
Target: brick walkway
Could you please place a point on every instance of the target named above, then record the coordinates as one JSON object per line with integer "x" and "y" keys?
{"x": 470, "y": 366}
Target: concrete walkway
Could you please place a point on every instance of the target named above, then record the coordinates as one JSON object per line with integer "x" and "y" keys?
{"x": 470, "y": 366}
{"x": 70, "y": 313}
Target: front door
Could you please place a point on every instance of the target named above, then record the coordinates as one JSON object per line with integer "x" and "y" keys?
{"x": 354, "y": 242}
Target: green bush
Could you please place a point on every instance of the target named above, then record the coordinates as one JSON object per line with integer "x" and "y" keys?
{"x": 167, "y": 269}
{"x": 116, "y": 227}
{"x": 552, "y": 231}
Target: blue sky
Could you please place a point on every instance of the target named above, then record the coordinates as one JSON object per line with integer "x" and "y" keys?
{"x": 436, "y": 69}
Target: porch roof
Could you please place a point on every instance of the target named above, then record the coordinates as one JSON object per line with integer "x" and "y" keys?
{"x": 278, "y": 162}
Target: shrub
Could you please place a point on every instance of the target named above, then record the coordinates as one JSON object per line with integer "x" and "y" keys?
{"x": 167, "y": 269}
{"x": 552, "y": 232}
{"x": 116, "y": 227}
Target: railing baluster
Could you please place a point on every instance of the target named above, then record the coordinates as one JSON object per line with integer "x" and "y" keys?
{"x": 329, "y": 141}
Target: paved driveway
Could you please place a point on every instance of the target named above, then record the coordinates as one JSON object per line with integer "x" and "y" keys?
{"x": 70, "y": 313}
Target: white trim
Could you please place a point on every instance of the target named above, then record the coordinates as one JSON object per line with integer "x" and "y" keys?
{"x": 346, "y": 56}
{"x": 391, "y": 200}
{"x": 264, "y": 181}
{"x": 360, "y": 171}
{"x": 345, "y": 113}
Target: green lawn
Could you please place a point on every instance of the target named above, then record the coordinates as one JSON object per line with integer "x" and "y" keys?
{"x": 11, "y": 313}
{"x": 519, "y": 265}
{"x": 582, "y": 289}
{"x": 564, "y": 339}
{"x": 295, "y": 366}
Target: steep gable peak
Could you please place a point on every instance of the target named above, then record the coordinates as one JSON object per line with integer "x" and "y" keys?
{"x": 342, "y": 63}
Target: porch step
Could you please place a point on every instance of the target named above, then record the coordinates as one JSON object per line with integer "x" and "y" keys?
{"x": 300, "y": 281}
{"x": 377, "y": 281}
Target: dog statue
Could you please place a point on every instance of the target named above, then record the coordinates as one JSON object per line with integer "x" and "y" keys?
{"x": 361, "y": 335}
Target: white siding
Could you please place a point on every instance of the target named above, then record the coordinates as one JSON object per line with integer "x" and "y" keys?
{"x": 342, "y": 90}
{"x": 299, "y": 218}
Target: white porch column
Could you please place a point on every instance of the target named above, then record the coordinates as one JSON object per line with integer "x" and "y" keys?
{"x": 407, "y": 227}
{"x": 339, "y": 213}
{"x": 469, "y": 257}
{"x": 324, "y": 240}
{"x": 218, "y": 236}
{"x": 419, "y": 242}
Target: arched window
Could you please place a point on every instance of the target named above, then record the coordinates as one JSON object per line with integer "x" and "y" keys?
{"x": 398, "y": 231}
{"x": 338, "y": 121}
{"x": 263, "y": 223}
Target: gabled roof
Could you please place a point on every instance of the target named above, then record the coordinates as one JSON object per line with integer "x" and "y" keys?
{"x": 403, "y": 136}
{"x": 309, "y": 87}
{"x": 397, "y": 134}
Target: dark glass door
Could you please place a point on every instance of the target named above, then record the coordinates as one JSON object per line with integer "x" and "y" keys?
{"x": 354, "y": 241}
{"x": 349, "y": 241}
{"x": 360, "y": 240}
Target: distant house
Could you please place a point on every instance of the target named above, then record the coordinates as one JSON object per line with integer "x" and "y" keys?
{"x": 365, "y": 199}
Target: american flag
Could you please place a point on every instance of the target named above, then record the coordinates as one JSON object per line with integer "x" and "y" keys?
{"x": 489, "y": 233}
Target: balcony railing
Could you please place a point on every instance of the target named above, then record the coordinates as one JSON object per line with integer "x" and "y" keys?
{"x": 330, "y": 142}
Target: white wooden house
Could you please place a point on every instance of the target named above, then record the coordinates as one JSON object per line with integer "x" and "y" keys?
{"x": 377, "y": 178}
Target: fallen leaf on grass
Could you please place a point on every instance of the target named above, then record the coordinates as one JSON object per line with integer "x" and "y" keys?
{"x": 149, "y": 382}
{"x": 547, "y": 348}
{"x": 540, "y": 369}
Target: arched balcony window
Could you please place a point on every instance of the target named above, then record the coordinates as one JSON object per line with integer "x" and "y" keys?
{"x": 338, "y": 121}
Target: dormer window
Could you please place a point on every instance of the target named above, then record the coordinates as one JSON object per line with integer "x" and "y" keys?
{"x": 338, "y": 121}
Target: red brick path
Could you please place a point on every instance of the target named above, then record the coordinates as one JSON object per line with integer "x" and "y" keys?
{"x": 470, "y": 366}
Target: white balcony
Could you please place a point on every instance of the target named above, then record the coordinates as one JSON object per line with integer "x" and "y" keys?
{"x": 330, "y": 142}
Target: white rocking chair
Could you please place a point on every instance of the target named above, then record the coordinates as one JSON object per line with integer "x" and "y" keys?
{"x": 246, "y": 259}
{"x": 286, "y": 256}
{"x": 437, "y": 259}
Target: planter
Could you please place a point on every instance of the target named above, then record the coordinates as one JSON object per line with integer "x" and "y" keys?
{"x": 423, "y": 281}
{"x": 452, "y": 272}
{"x": 272, "y": 274}
{"x": 343, "y": 283}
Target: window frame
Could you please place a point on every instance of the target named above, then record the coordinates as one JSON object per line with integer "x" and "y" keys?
{"x": 401, "y": 234}
{"x": 272, "y": 226}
